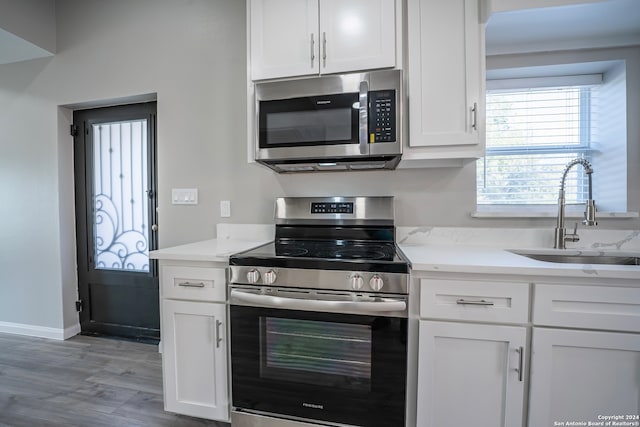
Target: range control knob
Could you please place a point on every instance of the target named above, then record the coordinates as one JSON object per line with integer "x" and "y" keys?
{"x": 270, "y": 277}
{"x": 356, "y": 282}
{"x": 253, "y": 276}
{"x": 376, "y": 283}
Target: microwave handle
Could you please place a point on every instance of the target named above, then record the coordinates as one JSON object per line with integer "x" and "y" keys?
{"x": 363, "y": 122}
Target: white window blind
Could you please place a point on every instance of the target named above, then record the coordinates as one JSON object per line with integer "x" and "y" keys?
{"x": 531, "y": 135}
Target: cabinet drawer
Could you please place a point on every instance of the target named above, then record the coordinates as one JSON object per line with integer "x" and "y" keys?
{"x": 193, "y": 283}
{"x": 591, "y": 307}
{"x": 481, "y": 301}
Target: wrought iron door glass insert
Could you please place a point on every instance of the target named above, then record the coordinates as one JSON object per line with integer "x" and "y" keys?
{"x": 119, "y": 196}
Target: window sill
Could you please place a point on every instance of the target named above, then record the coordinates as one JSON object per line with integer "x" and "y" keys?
{"x": 486, "y": 212}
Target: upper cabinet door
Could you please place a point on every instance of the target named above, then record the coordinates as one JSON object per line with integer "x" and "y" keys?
{"x": 446, "y": 76}
{"x": 284, "y": 38}
{"x": 357, "y": 35}
{"x": 291, "y": 38}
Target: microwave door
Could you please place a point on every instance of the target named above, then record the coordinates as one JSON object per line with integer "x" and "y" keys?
{"x": 311, "y": 127}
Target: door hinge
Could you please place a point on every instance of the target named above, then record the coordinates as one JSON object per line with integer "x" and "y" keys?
{"x": 73, "y": 130}
{"x": 79, "y": 306}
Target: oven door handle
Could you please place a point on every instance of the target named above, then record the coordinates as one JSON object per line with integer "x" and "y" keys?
{"x": 360, "y": 307}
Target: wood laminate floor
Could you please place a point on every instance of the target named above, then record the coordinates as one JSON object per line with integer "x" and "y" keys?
{"x": 83, "y": 381}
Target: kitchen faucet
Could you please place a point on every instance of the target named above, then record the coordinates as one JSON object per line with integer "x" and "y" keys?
{"x": 561, "y": 235}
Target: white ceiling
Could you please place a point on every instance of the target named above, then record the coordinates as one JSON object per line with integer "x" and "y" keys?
{"x": 597, "y": 24}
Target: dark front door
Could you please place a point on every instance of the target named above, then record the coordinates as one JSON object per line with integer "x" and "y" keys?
{"x": 115, "y": 183}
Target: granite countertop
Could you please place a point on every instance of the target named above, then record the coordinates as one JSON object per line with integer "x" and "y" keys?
{"x": 217, "y": 250}
{"x": 487, "y": 250}
{"x": 487, "y": 260}
{"x": 452, "y": 250}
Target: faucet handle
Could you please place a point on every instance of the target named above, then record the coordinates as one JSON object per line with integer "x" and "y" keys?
{"x": 573, "y": 237}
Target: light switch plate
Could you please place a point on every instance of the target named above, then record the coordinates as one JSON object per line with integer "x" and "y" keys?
{"x": 225, "y": 208}
{"x": 184, "y": 196}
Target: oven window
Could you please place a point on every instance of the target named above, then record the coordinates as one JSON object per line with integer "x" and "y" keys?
{"x": 316, "y": 352}
{"x": 294, "y": 127}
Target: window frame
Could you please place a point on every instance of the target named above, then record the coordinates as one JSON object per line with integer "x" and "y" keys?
{"x": 585, "y": 85}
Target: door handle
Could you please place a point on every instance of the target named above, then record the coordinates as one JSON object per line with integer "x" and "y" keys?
{"x": 364, "y": 307}
{"x": 363, "y": 117}
{"x": 324, "y": 49}
{"x": 520, "y": 367}
{"x": 474, "y": 115}
{"x": 313, "y": 48}
{"x": 154, "y": 227}
{"x": 218, "y": 338}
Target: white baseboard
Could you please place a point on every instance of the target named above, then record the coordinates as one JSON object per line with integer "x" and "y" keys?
{"x": 39, "y": 331}
{"x": 71, "y": 331}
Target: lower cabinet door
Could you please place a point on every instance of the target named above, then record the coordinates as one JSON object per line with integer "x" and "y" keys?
{"x": 470, "y": 375}
{"x": 194, "y": 360}
{"x": 583, "y": 376}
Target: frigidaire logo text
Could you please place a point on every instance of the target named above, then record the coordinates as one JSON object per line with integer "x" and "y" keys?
{"x": 312, "y": 405}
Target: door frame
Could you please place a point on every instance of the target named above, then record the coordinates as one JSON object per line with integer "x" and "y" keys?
{"x": 83, "y": 153}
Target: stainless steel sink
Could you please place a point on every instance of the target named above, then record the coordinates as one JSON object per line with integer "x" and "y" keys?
{"x": 573, "y": 258}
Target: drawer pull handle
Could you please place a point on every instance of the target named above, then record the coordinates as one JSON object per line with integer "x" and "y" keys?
{"x": 463, "y": 301}
{"x": 191, "y": 284}
{"x": 520, "y": 352}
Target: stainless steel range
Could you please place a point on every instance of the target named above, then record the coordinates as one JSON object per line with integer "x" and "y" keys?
{"x": 319, "y": 318}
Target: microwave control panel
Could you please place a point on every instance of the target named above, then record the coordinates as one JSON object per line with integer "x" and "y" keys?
{"x": 382, "y": 116}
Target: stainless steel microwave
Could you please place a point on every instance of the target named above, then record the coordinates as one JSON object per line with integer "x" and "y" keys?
{"x": 338, "y": 122}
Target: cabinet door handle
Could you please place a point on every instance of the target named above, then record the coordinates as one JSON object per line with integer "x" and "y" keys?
{"x": 324, "y": 49}
{"x": 463, "y": 301}
{"x": 313, "y": 50}
{"x": 191, "y": 284}
{"x": 218, "y": 338}
{"x": 520, "y": 352}
{"x": 474, "y": 116}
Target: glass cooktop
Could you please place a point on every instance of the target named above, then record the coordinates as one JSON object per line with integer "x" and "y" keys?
{"x": 325, "y": 254}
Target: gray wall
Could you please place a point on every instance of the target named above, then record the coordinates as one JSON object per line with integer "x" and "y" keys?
{"x": 31, "y": 20}
{"x": 192, "y": 54}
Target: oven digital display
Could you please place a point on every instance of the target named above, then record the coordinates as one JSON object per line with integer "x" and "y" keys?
{"x": 331, "y": 208}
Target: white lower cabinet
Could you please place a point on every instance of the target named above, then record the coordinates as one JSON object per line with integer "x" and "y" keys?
{"x": 195, "y": 359}
{"x": 581, "y": 375}
{"x": 470, "y": 375}
{"x": 584, "y": 353}
{"x": 194, "y": 339}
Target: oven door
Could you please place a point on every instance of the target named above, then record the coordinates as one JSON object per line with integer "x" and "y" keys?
{"x": 343, "y": 369}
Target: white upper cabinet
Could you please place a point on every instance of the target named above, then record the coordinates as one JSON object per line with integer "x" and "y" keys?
{"x": 290, "y": 38}
{"x": 446, "y": 73}
{"x": 357, "y": 35}
{"x": 284, "y": 38}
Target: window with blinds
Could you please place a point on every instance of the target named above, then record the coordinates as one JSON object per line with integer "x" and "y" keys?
{"x": 531, "y": 135}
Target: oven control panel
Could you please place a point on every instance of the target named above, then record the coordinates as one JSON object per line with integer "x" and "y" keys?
{"x": 362, "y": 281}
{"x": 331, "y": 208}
